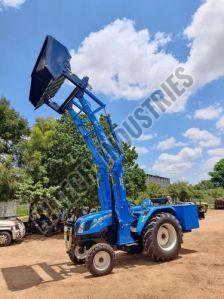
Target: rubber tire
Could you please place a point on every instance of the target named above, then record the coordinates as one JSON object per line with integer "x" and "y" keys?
{"x": 74, "y": 259}
{"x": 9, "y": 238}
{"x": 90, "y": 256}
{"x": 150, "y": 242}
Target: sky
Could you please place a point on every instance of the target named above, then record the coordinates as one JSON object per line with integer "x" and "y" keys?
{"x": 128, "y": 49}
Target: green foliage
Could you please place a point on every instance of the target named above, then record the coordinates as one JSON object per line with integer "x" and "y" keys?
{"x": 216, "y": 192}
{"x": 51, "y": 165}
{"x": 152, "y": 190}
{"x": 180, "y": 191}
{"x": 217, "y": 174}
{"x": 31, "y": 151}
{"x": 12, "y": 127}
{"x": 68, "y": 163}
{"x": 204, "y": 185}
{"x": 56, "y": 156}
{"x": 8, "y": 180}
{"x": 134, "y": 176}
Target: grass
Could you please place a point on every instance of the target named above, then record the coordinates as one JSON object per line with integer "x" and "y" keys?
{"x": 22, "y": 210}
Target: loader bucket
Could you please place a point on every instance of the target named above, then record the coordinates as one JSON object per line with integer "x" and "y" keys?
{"x": 47, "y": 76}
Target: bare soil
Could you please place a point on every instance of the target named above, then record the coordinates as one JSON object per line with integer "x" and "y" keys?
{"x": 38, "y": 267}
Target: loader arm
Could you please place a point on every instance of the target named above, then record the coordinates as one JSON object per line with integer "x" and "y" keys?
{"x": 51, "y": 70}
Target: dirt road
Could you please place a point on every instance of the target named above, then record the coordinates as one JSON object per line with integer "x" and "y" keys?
{"x": 39, "y": 268}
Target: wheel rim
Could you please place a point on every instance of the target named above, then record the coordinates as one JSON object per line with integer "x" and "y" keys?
{"x": 101, "y": 260}
{"x": 3, "y": 240}
{"x": 80, "y": 252}
{"x": 167, "y": 237}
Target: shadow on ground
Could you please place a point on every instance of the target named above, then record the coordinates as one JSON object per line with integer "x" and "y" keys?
{"x": 26, "y": 276}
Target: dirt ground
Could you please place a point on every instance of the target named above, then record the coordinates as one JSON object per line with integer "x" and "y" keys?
{"x": 39, "y": 268}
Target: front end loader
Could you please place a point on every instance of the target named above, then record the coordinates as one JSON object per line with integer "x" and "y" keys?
{"x": 92, "y": 239}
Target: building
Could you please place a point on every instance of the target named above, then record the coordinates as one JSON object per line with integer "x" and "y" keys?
{"x": 162, "y": 181}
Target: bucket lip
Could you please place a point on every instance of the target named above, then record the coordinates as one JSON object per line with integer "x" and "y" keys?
{"x": 48, "y": 40}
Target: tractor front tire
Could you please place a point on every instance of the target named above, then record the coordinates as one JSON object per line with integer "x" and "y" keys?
{"x": 162, "y": 237}
{"x": 100, "y": 259}
{"x": 77, "y": 255}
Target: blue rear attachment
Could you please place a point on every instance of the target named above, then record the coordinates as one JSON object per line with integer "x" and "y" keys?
{"x": 187, "y": 215}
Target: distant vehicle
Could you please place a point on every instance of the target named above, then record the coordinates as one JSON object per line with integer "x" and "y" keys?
{"x": 219, "y": 203}
{"x": 11, "y": 229}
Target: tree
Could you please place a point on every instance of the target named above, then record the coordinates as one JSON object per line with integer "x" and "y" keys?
{"x": 56, "y": 156}
{"x": 134, "y": 176}
{"x": 8, "y": 180}
{"x": 152, "y": 190}
{"x": 181, "y": 191}
{"x": 31, "y": 151}
{"x": 217, "y": 175}
{"x": 69, "y": 164}
{"x": 204, "y": 185}
{"x": 216, "y": 192}
{"x": 12, "y": 127}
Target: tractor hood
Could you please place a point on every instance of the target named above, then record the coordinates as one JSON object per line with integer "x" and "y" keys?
{"x": 93, "y": 222}
{"x": 8, "y": 222}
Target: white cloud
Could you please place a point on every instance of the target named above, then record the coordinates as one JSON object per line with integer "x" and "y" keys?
{"x": 218, "y": 152}
{"x": 206, "y": 47}
{"x": 145, "y": 137}
{"x": 141, "y": 149}
{"x": 123, "y": 62}
{"x": 220, "y": 124}
{"x": 208, "y": 113}
{"x": 11, "y": 3}
{"x": 202, "y": 138}
{"x": 174, "y": 165}
{"x": 169, "y": 143}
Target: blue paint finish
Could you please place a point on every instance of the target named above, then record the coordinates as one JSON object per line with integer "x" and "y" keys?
{"x": 147, "y": 213}
{"x": 98, "y": 221}
{"x": 107, "y": 156}
{"x": 187, "y": 215}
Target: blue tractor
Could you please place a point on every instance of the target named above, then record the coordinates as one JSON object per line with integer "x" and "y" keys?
{"x": 155, "y": 229}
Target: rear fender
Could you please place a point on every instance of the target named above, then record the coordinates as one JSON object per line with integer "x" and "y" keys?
{"x": 146, "y": 215}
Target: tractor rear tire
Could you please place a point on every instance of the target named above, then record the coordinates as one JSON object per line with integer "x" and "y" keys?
{"x": 100, "y": 259}
{"x": 162, "y": 237}
{"x": 77, "y": 255}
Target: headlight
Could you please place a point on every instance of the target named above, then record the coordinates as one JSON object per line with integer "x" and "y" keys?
{"x": 81, "y": 228}
{"x": 15, "y": 227}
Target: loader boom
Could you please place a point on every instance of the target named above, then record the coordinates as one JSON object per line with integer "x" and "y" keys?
{"x": 51, "y": 69}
